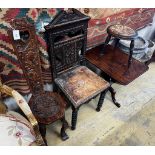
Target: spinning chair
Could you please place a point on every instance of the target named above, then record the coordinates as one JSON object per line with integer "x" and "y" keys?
{"x": 47, "y": 107}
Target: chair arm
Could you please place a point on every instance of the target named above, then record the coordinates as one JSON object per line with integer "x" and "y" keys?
{"x": 21, "y": 102}
{"x": 3, "y": 108}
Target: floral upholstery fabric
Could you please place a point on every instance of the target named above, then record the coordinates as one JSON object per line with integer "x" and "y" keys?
{"x": 15, "y": 130}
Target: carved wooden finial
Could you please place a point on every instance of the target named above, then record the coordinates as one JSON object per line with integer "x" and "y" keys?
{"x": 68, "y": 10}
{"x": 86, "y": 10}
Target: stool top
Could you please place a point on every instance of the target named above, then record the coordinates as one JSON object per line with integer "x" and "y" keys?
{"x": 122, "y": 31}
{"x": 47, "y": 107}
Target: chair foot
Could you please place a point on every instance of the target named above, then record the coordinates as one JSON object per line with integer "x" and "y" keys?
{"x": 65, "y": 125}
{"x": 112, "y": 91}
{"x": 64, "y": 137}
{"x": 73, "y": 128}
{"x": 98, "y": 109}
{"x": 42, "y": 129}
{"x": 45, "y": 141}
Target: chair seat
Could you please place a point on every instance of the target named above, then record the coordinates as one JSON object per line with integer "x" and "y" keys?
{"x": 121, "y": 30}
{"x": 81, "y": 84}
{"x": 47, "y": 107}
{"x": 15, "y": 130}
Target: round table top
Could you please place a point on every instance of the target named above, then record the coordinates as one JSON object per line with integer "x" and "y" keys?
{"x": 122, "y": 31}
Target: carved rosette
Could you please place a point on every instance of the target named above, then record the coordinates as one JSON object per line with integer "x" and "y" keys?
{"x": 47, "y": 107}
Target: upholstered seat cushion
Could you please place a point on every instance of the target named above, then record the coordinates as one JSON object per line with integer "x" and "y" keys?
{"x": 81, "y": 84}
{"x": 15, "y": 130}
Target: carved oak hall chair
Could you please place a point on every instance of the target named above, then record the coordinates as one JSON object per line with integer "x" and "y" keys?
{"x": 47, "y": 107}
{"x": 14, "y": 128}
{"x": 67, "y": 39}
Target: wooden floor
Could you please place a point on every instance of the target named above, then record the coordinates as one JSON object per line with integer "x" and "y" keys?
{"x": 114, "y": 63}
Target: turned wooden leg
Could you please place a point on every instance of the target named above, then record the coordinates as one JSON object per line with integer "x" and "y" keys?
{"x": 112, "y": 91}
{"x": 55, "y": 87}
{"x": 65, "y": 125}
{"x": 101, "y": 100}
{"x": 105, "y": 44}
{"x": 131, "y": 52}
{"x": 116, "y": 42}
{"x": 74, "y": 117}
{"x": 42, "y": 129}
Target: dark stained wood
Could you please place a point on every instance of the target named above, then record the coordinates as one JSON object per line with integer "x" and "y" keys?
{"x": 119, "y": 31}
{"x": 67, "y": 40}
{"x": 113, "y": 63}
{"x": 47, "y": 107}
{"x": 100, "y": 103}
{"x": 66, "y": 36}
{"x": 81, "y": 84}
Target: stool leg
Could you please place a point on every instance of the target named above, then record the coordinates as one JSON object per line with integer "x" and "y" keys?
{"x": 116, "y": 42}
{"x": 101, "y": 100}
{"x": 105, "y": 44}
{"x": 131, "y": 52}
{"x": 74, "y": 117}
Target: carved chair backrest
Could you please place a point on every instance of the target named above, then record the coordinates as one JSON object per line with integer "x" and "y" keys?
{"x": 66, "y": 42}
{"x": 27, "y": 52}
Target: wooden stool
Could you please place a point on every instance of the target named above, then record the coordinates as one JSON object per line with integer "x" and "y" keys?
{"x": 121, "y": 32}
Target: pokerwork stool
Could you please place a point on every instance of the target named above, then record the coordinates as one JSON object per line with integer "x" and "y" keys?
{"x": 119, "y": 31}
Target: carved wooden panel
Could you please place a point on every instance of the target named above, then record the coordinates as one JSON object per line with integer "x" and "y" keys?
{"x": 67, "y": 38}
{"x": 27, "y": 53}
{"x": 47, "y": 107}
{"x": 67, "y": 55}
